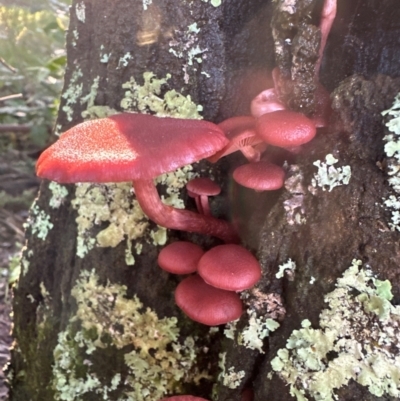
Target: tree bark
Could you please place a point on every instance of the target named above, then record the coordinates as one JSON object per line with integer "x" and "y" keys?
{"x": 79, "y": 334}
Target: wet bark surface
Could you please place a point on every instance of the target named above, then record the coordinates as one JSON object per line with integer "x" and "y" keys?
{"x": 339, "y": 226}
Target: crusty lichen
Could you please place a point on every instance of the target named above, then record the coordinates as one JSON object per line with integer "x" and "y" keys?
{"x": 39, "y": 222}
{"x": 329, "y": 176}
{"x": 392, "y": 150}
{"x": 59, "y": 193}
{"x": 359, "y": 340}
{"x": 228, "y": 377}
{"x": 147, "y": 98}
{"x": 156, "y": 363}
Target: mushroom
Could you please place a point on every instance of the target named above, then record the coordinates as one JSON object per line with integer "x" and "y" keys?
{"x": 206, "y": 304}
{"x": 229, "y": 267}
{"x": 180, "y": 257}
{"x": 200, "y": 189}
{"x": 266, "y": 102}
{"x": 138, "y": 148}
{"x": 285, "y": 128}
{"x": 260, "y": 176}
{"x": 240, "y": 131}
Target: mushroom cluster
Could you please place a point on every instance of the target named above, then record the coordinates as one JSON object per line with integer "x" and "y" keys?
{"x": 210, "y": 297}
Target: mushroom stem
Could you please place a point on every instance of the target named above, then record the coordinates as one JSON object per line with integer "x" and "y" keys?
{"x": 180, "y": 219}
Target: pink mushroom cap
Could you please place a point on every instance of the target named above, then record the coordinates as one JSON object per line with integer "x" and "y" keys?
{"x": 285, "y": 128}
{"x": 202, "y": 186}
{"x": 128, "y": 147}
{"x": 206, "y": 304}
{"x": 266, "y": 102}
{"x": 260, "y": 176}
{"x": 229, "y": 267}
{"x": 180, "y": 257}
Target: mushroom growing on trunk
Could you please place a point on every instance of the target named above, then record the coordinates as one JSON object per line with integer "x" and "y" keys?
{"x": 138, "y": 148}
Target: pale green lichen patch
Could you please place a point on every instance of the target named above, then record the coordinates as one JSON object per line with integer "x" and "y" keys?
{"x": 156, "y": 363}
{"x": 114, "y": 204}
{"x": 228, "y": 377}
{"x": 148, "y": 98}
{"x": 39, "y": 222}
{"x": 392, "y": 150}
{"x": 359, "y": 340}
{"x": 329, "y": 176}
{"x": 73, "y": 93}
{"x": 257, "y": 330}
{"x": 59, "y": 193}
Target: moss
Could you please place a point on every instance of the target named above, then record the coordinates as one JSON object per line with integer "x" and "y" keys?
{"x": 360, "y": 328}
{"x": 155, "y": 363}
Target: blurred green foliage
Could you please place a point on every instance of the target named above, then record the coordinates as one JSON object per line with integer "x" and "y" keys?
{"x": 32, "y": 62}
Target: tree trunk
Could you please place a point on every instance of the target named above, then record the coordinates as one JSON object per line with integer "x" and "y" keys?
{"x": 94, "y": 316}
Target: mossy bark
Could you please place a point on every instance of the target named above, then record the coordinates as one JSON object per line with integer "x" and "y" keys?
{"x": 360, "y": 68}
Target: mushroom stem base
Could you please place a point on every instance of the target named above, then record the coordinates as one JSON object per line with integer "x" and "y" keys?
{"x": 180, "y": 219}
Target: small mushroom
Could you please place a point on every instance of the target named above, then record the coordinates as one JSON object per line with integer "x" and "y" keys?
{"x": 180, "y": 257}
{"x": 206, "y": 304}
{"x": 285, "y": 128}
{"x": 229, "y": 267}
{"x": 200, "y": 189}
{"x": 266, "y": 102}
{"x": 138, "y": 148}
{"x": 260, "y": 176}
{"x": 240, "y": 131}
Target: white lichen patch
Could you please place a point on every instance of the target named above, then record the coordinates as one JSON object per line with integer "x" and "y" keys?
{"x": 39, "y": 222}
{"x": 59, "y": 193}
{"x": 156, "y": 363}
{"x": 73, "y": 93}
{"x": 359, "y": 340}
{"x": 256, "y": 331}
{"x": 80, "y": 10}
{"x": 392, "y": 150}
{"x": 188, "y": 49}
{"x": 329, "y": 176}
{"x": 147, "y": 98}
{"x": 294, "y": 205}
{"x": 124, "y": 60}
{"x": 288, "y": 267}
{"x": 232, "y": 379}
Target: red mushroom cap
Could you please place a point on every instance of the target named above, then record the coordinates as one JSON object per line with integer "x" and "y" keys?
{"x": 285, "y": 128}
{"x": 202, "y": 186}
{"x": 260, "y": 176}
{"x": 206, "y": 304}
{"x": 184, "y": 398}
{"x": 127, "y": 147}
{"x": 229, "y": 267}
{"x": 180, "y": 257}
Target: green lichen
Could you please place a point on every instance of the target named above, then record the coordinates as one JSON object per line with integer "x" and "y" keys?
{"x": 39, "y": 222}
{"x": 156, "y": 363}
{"x": 147, "y": 98}
{"x": 73, "y": 93}
{"x": 113, "y": 204}
{"x": 359, "y": 340}
{"x": 59, "y": 193}
{"x": 329, "y": 176}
